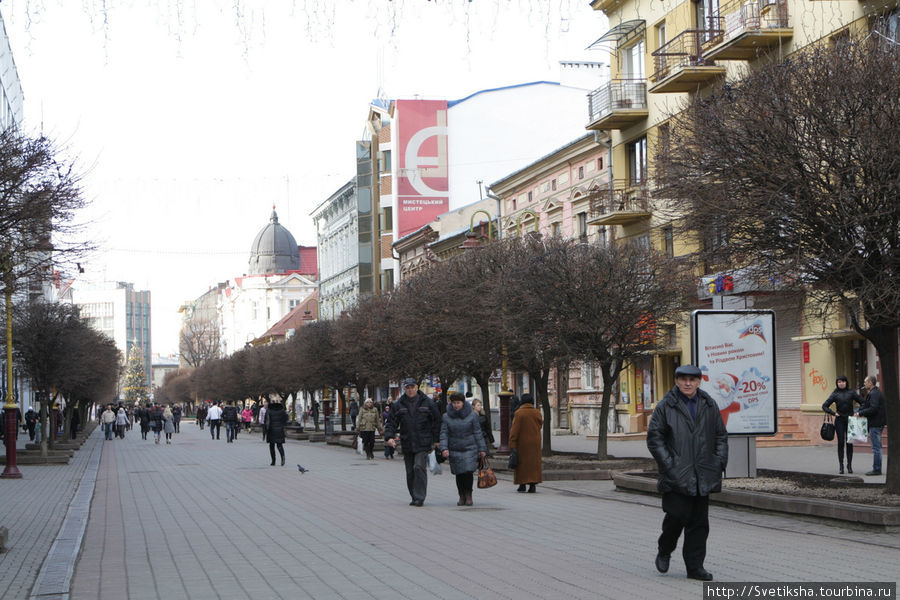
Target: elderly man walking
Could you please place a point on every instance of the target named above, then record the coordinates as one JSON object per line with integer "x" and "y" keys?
{"x": 687, "y": 438}
{"x": 416, "y": 420}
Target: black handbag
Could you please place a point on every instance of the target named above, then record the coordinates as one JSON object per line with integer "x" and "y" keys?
{"x": 513, "y": 459}
{"x": 827, "y": 431}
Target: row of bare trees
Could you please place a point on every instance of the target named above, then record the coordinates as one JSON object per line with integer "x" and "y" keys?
{"x": 544, "y": 302}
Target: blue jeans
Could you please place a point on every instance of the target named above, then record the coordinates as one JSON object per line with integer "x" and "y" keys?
{"x": 108, "y": 430}
{"x": 229, "y": 430}
{"x": 875, "y": 438}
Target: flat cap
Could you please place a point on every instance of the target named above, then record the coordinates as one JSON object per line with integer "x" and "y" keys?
{"x": 688, "y": 371}
{"x": 409, "y": 381}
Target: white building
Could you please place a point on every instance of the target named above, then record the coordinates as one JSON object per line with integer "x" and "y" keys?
{"x": 117, "y": 310}
{"x": 337, "y": 230}
{"x": 281, "y": 275}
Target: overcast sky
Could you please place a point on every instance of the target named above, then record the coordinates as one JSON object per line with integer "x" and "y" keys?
{"x": 191, "y": 118}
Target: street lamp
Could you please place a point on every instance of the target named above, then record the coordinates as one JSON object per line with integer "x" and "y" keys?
{"x": 11, "y": 471}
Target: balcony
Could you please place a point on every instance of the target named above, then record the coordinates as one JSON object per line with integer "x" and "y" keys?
{"x": 680, "y": 65}
{"x": 623, "y": 203}
{"x": 618, "y": 104}
{"x": 743, "y": 28}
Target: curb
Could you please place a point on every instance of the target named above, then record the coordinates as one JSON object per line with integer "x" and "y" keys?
{"x": 887, "y": 517}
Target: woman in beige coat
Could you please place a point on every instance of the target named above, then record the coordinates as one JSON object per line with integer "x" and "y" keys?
{"x": 368, "y": 420}
{"x": 525, "y": 439}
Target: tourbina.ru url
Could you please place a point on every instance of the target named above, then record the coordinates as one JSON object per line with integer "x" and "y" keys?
{"x": 800, "y": 590}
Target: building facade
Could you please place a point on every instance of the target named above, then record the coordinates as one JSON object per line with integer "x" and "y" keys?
{"x": 337, "y": 231}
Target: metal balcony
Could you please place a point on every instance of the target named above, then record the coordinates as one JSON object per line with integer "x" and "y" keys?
{"x": 623, "y": 203}
{"x": 743, "y": 28}
{"x": 680, "y": 65}
{"x": 618, "y": 104}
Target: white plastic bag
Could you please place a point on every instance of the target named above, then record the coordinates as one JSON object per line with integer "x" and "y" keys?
{"x": 359, "y": 445}
{"x": 857, "y": 430}
{"x": 433, "y": 465}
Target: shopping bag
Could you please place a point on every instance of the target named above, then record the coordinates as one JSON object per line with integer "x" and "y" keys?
{"x": 486, "y": 476}
{"x": 857, "y": 430}
{"x": 433, "y": 465}
{"x": 359, "y": 445}
{"x": 827, "y": 431}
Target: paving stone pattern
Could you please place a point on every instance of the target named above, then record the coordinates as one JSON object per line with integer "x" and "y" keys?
{"x": 206, "y": 519}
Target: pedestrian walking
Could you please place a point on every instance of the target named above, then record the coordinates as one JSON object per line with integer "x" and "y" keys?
{"x": 276, "y": 419}
{"x": 262, "y": 418}
{"x": 230, "y": 417}
{"x": 142, "y": 416}
{"x": 176, "y": 417}
{"x": 31, "y": 419}
{"x": 247, "y": 417}
{"x": 843, "y": 398}
{"x": 168, "y": 423}
{"x": 354, "y": 412}
{"x": 108, "y": 420}
{"x": 462, "y": 442}
{"x": 201, "y": 415}
{"x": 486, "y": 432}
{"x": 369, "y": 420}
{"x": 156, "y": 421}
{"x": 121, "y": 422}
{"x": 74, "y": 422}
{"x": 687, "y": 438}
{"x": 416, "y": 421}
{"x": 525, "y": 439}
{"x": 214, "y": 417}
{"x": 874, "y": 411}
{"x": 389, "y": 450}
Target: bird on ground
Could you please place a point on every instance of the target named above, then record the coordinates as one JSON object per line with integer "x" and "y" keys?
{"x": 301, "y": 469}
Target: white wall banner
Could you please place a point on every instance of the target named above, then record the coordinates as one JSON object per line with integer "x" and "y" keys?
{"x": 735, "y": 350}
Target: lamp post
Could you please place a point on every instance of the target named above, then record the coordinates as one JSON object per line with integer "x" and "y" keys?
{"x": 11, "y": 471}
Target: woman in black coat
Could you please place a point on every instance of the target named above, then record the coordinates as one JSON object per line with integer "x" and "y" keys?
{"x": 276, "y": 420}
{"x": 843, "y": 398}
{"x": 486, "y": 432}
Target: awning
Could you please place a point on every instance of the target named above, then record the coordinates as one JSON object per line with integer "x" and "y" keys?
{"x": 830, "y": 335}
{"x": 621, "y": 34}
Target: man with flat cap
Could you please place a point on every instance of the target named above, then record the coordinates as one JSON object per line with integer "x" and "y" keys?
{"x": 687, "y": 438}
{"x": 416, "y": 421}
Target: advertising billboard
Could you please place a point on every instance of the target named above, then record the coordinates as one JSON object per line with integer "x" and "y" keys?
{"x": 735, "y": 350}
{"x": 423, "y": 185}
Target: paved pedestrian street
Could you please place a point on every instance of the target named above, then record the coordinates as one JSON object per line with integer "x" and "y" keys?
{"x": 206, "y": 519}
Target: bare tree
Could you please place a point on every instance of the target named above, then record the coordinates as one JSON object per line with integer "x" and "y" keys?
{"x": 199, "y": 342}
{"x": 793, "y": 173}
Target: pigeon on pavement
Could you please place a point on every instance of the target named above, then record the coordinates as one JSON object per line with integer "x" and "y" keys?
{"x": 301, "y": 469}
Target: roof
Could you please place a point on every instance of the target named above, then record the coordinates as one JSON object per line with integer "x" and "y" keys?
{"x": 293, "y": 320}
{"x": 309, "y": 261}
{"x": 451, "y": 103}
{"x": 274, "y": 249}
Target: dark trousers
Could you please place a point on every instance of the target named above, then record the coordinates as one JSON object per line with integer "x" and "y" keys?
{"x": 215, "y": 427}
{"x": 416, "y": 474}
{"x": 464, "y": 483}
{"x": 368, "y": 438}
{"x": 840, "y": 428}
{"x": 690, "y": 514}
{"x": 272, "y": 451}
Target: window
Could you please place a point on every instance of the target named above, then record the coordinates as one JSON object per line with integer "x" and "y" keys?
{"x": 387, "y": 219}
{"x": 553, "y": 185}
{"x": 581, "y": 220}
{"x": 637, "y": 161}
{"x": 514, "y": 204}
{"x": 633, "y": 61}
{"x": 384, "y": 161}
{"x": 601, "y": 236}
{"x": 669, "y": 240}
{"x": 707, "y": 14}
{"x": 554, "y": 229}
{"x": 293, "y": 303}
{"x": 600, "y": 164}
{"x": 581, "y": 172}
{"x": 529, "y": 197}
{"x": 588, "y": 382}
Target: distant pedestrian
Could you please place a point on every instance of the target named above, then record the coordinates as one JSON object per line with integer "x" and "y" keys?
{"x": 201, "y": 415}
{"x": 417, "y": 422}
{"x": 354, "y": 412}
{"x": 108, "y": 420}
{"x": 275, "y": 423}
{"x": 156, "y": 421}
{"x": 214, "y": 417}
{"x": 74, "y": 422}
{"x": 463, "y": 443}
{"x": 262, "y": 418}
{"x": 168, "y": 424}
{"x": 31, "y": 419}
{"x": 176, "y": 417}
{"x": 687, "y": 438}
{"x": 385, "y": 415}
{"x": 142, "y": 416}
{"x": 369, "y": 421}
{"x": 247, "y": 417}
{"x": 843, "y": 398}
{"x": 874, "y": 410}
{"x": 525, "y": 439}
{"x": 230, "y": 417}
{"x": 121, "y": 422}
{"x": 486, "y": 432}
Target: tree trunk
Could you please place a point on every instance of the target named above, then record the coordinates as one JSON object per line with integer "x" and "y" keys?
{"x": 609, "y": 371}
{"x": 885, "y": 341}
{"x": 341, "y": 405}
{"x": 541, "y": 380}
{"x": 484, "y": 382}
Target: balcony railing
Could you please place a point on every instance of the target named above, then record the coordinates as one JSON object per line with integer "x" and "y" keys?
{"x": 618, "y": 103}
{"x": 742, "y": 27}
{"x": 680, "y": 64}
{"x": 623, "y": 202}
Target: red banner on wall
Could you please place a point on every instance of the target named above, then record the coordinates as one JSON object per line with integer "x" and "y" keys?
{"x": 423, "y": 188}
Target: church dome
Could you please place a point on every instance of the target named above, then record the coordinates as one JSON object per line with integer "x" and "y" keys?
{"x": 274, "y": 249}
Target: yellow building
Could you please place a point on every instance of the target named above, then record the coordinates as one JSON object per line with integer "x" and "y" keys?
{"x": 662, "y": 52}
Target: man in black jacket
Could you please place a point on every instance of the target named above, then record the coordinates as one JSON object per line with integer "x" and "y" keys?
{"x": 416, "y": 421}
{"x": 687, "y": 438}
{"x": 874, "y": 411}
{"x": 230, "y": 416}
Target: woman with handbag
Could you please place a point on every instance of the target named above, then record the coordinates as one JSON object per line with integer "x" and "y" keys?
{"x": 843, "y": 398}
{"x": 367, "y": 421}
{"x": 463, "y": 443}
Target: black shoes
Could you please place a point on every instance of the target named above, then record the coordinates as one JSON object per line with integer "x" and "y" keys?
{"x": 531, "y": 488}
{"x": 417, "y": 503}
{"x": 521, "y": 488}
{"x": 849, "y": 469}
{"x": 841, "y": 470}
{"x": 700, "y": 574}
{"x": 662, "y": 562}
{"x": 282, "y": 461}
{"x": 874, "y": 473}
